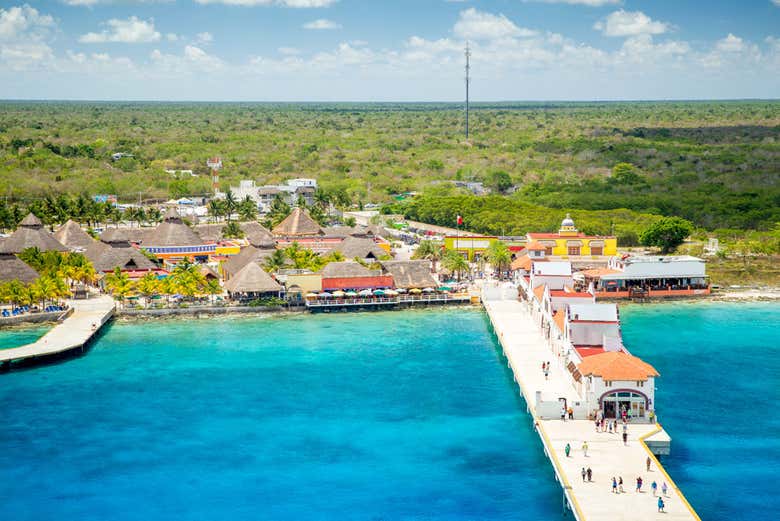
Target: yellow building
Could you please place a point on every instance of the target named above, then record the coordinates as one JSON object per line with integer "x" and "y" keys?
{"x": 473, "y": 246}
{"x": 569, "y": 243}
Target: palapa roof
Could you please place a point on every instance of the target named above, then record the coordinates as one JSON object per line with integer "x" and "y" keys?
{"x": 352, "y": 247}
{"x": 248, "y": 254}
{"x": 209, "y": 232}
{"x": 134, "y": 235}
{"x": 71, "y": 235}
{"x": 258, "y": 235}
{"x": 297, "y": 224}
{"x": 31, "y": 234}
{"x": 252, "y": 279}
{"x": 346, "y": 269}
{"x": 410, "y": 274}
{"x": 13, "y": 268}
{"x": 105, "y": 258}
{"x": 207, "y": 272}
{"x": 617, "y": 365}
{"x": 172, "y": 232}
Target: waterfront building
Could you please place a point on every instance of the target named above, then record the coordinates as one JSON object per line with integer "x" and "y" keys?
{"x": 30, "y": 234}
{"x": 252, "y": 282}
{"x": 616, "y": 381}
{"x": 105, "y": 258}
{"x": 555, "y": 274}
{"x": 350, "y": 275}
{"x": 248, "y": 254}
{"x": 14, "y": 268}
{"x": 365, "y": 249}
{"x": 649, "y": 276}
{"x": 412, "y": 274}
{"x": 297, "y": 225}
{"x": 575, "y": 246}
{"x": 591, "y": 328}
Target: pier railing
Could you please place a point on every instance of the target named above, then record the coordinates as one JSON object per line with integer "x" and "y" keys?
{"x": 400, "y": 299}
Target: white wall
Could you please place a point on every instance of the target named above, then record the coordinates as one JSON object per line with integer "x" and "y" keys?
{"x": 591, "y": 333}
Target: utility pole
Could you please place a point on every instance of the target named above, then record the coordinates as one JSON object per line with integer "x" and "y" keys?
{"x": 468, "y": 55}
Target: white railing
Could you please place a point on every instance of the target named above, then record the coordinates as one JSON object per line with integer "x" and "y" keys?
{"x": 360, "y": 301}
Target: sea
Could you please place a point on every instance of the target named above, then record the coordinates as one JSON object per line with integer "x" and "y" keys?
{"x": 379, "y": 416}
{"x": 19, "y": 336}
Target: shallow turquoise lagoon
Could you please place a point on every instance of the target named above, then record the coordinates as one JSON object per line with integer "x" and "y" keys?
{"x": 15, "y": 337}
{"x": 395, "y": 415}
{"x": 718, "y": 398}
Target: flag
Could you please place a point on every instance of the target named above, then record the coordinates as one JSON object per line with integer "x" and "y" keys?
{"x": 460, "y": 220}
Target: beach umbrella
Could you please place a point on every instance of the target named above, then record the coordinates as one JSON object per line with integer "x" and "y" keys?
{"x": 400, "y": 290}
{"x": 379, "y": 292}
{"x": 351, "y": 294}
{"x": 338, "y": 293}
{"x": 391, "y": 293}
{"x": 444, "y": 288}
{"x": 415, "y": 291}
{"x": 428, "y": 290}
{"x": 311, "y": 295}
{"x": 325, "y": 294}
{"x": 365, "y": 293}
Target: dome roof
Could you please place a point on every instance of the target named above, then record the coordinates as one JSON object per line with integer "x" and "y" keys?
{"x": 568, "y": 221}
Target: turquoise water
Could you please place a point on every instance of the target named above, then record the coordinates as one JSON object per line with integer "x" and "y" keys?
{"x": 399, "y": 415}
{"x": 717, "y": 398}
{"x": 19, "y": 337}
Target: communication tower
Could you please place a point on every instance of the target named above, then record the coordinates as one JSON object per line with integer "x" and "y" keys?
{"x": 214, "y": 163}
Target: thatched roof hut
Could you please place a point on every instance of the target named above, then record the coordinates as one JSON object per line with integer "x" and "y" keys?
{"x": 13, "y": 268}
{"x": 362, "y": 248}
{"x": 252, "y": 280}
{"x": 31, "y": 234}
{"x": 258, "y": 235}
{"x": 71, "y": 235}
{"x": 125, "y": 235}
{"x": 172, "y": 232}
{"x": 248, "y": 254}
{"x": 297, "y": 224}
{"x": 346, "y": 269}
{"x": 105, "y": 258}
{"x": 410, "y": 274}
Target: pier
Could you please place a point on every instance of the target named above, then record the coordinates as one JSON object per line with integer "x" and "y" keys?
{"x": 70, "y": 335}
{"x": 397, "y": 301}
{"x": 607, "y": 456}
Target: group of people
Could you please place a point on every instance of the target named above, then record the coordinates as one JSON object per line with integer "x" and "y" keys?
{"x": 617, "y": 486}
{"x": 546, "y": 370}
{"x": 604, "y": 425}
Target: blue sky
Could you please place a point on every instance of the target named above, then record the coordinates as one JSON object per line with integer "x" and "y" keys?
{"x": 399, "y": 50}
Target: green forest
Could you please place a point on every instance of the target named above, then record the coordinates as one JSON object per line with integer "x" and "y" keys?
{"x": 614, "y": 165}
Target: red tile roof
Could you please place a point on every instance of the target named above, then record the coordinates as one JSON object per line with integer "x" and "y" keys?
{"x": 589, "y": 351}
{"x": 539, "y": 292}
{"x": 379, "y": 281}
{"x": 580, "y": 235}
{"x": 535, "y": 246}
{"x": 560, "y": 320}
{"x": 567, "y": 294}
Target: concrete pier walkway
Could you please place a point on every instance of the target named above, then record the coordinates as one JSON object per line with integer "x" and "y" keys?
{"x": 526, "y": 349}
{"x": 72, "y": 333}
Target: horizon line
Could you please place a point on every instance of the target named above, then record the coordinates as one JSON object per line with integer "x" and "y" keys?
{"x": 397, "y": 102}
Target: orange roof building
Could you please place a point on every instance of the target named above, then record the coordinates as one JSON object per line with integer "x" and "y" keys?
{"x": 617, "y": 366}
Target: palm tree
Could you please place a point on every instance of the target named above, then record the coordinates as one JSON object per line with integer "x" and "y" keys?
{"x": 498, "y": 255}
{"x": 213, "y": 288}
{"x": 119, "y": 284}
{"x": 276, "y": 260}
{"x": 232, "y": 230}
{"x": 154, "y": 215}
{"x": 428, "y": 250}
{"x": 216, "y": 209}
{"x": 148, "y": 286}
{"x": 455, "y": 263}
{"x": 247, "y": 209}
{"x": 230, "y": 204}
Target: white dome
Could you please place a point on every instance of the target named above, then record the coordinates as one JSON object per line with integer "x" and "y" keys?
{"x": 568, "y": 221}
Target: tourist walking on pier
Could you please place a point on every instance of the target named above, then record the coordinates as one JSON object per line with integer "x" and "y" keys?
{"x": 590, "y": 474}
{"x": 663, "y": 488}
{"x": 609, "y": 424}
{"x": 585, "y": 448}
{"x": 661, "y": 504}
{"x": 648, "y": 463}
{"x": 620, "y": 484}
{"x": 614, "y": 485}
{"x": 567, "y": 450}
{"x": 584, "y": 474}
{"x": 654, "y": 487}
{"x": 625, "y": 438}
{"x": 639, "y": 484}
{"x": 571, "y": 413}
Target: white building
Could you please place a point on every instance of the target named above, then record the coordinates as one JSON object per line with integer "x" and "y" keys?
{"x": 555, "y": 274}
{"x": 614, "y": 382}
{"x": 653, "y": 275}
{"x": 291, "y": 191}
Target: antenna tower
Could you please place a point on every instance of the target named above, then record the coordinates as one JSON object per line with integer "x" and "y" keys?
{"x": 214, "y": 163}
{"x": 468, "y": 79}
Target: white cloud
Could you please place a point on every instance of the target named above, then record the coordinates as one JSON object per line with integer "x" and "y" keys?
{"x": 289, "y": 51}
{"x": 730, "y": 43}
{"x": 192, "y": 60}
{"x": 776, "y": 2}
{"x": 322, "y": 23}
{"x": 630, "y": 23}
{"x": 172, "y": 37}
{"x": 204, "y": 37}
{"x": 478, "y": 25}
{"x": 589, "y": 3}
{"x": 132, "y": 30}
{"x": 17, "y": 20}
{"x": 299, "y": 4}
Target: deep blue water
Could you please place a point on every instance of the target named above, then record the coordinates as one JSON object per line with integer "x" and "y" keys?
{"x": 18, "y": 337}
{"x": 399, "y": 415}
{"x": 718, "y": 398}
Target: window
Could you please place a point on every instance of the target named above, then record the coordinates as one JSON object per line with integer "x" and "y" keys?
{"x": 640, "y": 384}
{"x": 574, "y": 250}
{"x": 548, "y": 250}
{"x": 607, "y": 383}
{"x": 597, "y": 250}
